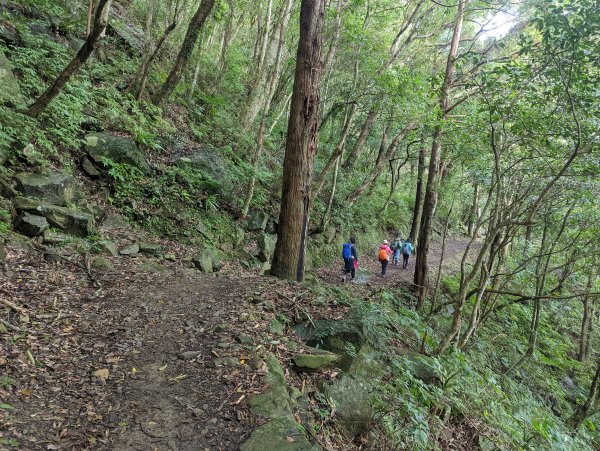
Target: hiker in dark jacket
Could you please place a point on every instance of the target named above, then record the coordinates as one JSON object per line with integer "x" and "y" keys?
{"x": 407, "y": 249}
{"x": 350, "y": 257}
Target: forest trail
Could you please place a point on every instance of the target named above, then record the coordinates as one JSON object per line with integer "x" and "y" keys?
{"x": 143, "y": 360}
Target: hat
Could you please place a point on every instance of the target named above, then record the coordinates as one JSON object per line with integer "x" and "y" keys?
{"x": 385, "y": 241}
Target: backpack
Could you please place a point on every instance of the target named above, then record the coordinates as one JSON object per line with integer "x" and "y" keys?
{"x": 396, "y": 245}
{"x": 382, "y": 255}
{"x": 347, "y": 251}
{"x": 406, "y": 248}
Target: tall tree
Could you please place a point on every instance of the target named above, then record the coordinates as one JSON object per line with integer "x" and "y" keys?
{"x": 301, "y": 146}
{"x": 185, "y": 52}
{"x": 431, "y": 190}
{"x": 98, "y": 27}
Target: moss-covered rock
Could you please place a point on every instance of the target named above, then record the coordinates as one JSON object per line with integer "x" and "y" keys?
{"x": 68, "y": 220}
{"x": 266, "y": 247}
{"x": 316, "y": 360}
{"x": 353, "y": 402}
{"x": 257, "y": 220}
{"x": 55, "y": 188}
{"x": 31, "y": 225}
{"x": 102, "y": 263}
{"x": 10, "y": 91}
{"x": 119, "y": 149}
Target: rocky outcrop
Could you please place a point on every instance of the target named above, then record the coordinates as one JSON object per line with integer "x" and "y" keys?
{"x": 68, "y": 220}
{"x": 257, "y": 220}
{"x": 281, "y": 432}
{"x": 208, "y": 161}
{"x": 10, "y": 91}
{"x": 31, "y": 225}
{"x": 119, "y": 149}
{"x": 266, "y": 247}
{"x": 55, "y": 188}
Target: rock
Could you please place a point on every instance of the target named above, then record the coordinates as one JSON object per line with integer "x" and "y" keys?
{"x": 156, "y": 250}
{"x": 119, "y": 149}
{"x": 316, "y": 360}
{"x": 203, "y": 230}
{"x": 130, "y": 249}
{"x": 68, "y": 220}
{"x": 153, "y": 267}
{"x": 421, "y": 367}
{"x": 281, "y": 434}
{"x": 275, "y": 327}
{"x": 31, "y": 225}
{"x": 6, "y": 188}
{"x": 206, "y": 262}
{"x": 189, "y": 355}
{"x": 329, "y": 234}
{"x": 244, "y": 339}
{"x": 266, "y": 268}
{"x": 50, "y": 237}
{"x": 207, "y": 161}
{"x": 52, "y": 257}
{"x": 32, "y": 156}
{"x": 106, "y": 247}
{"x": 272, "y": 226}
{"x": 102, "y": 263}
{"x": 102, "y": 374}
{"x": 226, "y": 361}
{"x": 114, "y": 222}
{"x": 266, "y": 247}
{"x": 170, "y": 257}
{"x": 221, "y": 328}
{"x": 10, "y": 91}
{"x": 55, "y": 188}
{"x": 238, "y": 236}
{"x": 257, "y": 221}
{"x": 353, "y": 402}
{"x": 131, "y": 36}
{"x": 89, "y": 168}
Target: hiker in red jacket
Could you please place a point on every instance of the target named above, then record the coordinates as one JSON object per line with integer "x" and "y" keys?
{"x": 384, "y": 255}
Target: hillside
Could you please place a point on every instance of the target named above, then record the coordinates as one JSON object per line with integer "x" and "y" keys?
{"x": 177, "y": 184}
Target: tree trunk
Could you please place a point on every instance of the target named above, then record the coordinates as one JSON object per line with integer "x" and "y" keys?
{"x": 301, "y": 147}
{"x": 90, "y": 17}
{"x": 416, "y": 219}
{"x": 473, "y": 211}
{"x": 337, "y": 153}
{"x": 138, "y": 86}
{"x": 187, "y": 48}
{"x": 100, "y": 21}
{"x": 273, "y": 48}
{"x": 431, "y": 194}
{"x": 585, "y": 411}
{"x": 362, "y": 137}
{"x": 586, "y": 323}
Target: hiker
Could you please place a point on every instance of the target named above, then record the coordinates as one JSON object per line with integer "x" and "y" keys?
{"x": 384, "y": 256}
{"x": 396, "y": 248}
{"x": 350, "y": 259}
{"x": 407, "y": 249}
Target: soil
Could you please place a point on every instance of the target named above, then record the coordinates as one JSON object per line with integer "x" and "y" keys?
{"x": 136, "y": 359}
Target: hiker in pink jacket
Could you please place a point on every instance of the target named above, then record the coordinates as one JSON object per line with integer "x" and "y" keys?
{"x": 384, "y": 254}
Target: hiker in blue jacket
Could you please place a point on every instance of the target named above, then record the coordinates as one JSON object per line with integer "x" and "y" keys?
{"x": 350, "y": 259}
{"x": 407, "y": 249}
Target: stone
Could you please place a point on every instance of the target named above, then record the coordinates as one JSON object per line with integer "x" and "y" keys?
{"x": 203, "y": 230}
{"x": 153, "y": 267}
{"x": 156, "y": 250}
{"x": 206, "y": 261}
{"x": 106, "y": 247}
{"x": 206, "y": 160}
{"x": 170, "y": 257}
{"x": 189, "y": 355}
{"x": 119, "y": 149}
{"x": 114, "y": 222}
{"x": 266, "y": 268}
{"x": 266, "y": 247}
{"x": 244, "y": 339}
{"x": 130, "y": 249}
{"x": 257, "y": 221}
{"x": 282, "y": 434}
{"x": 221, "y": 328}
{"x": 55, "y": 188}
{"x": 50, "y": 237}
{"x": 315, "y": 360}
{"x": 10, "y": 91}
{"x": 31, "y": 225}
{"x": 128, "y": 34}
{"x": 353, "y": 402}
{"x": 68, "y": 220}
{"x": 226, "y": 361}
{"x": 102, "y": 263}
{"x": 238, "y": 236}
{"x": 89, "y": 168}
{"x": 329, "y": 234}
{"x": 275, "y": 327}
{"x": 52, "y": 257}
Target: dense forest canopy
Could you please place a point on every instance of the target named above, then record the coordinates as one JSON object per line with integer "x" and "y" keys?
{"x": 420, "y": 118}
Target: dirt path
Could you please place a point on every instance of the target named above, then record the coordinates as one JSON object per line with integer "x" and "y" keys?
{"x": 141, "y": 360}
